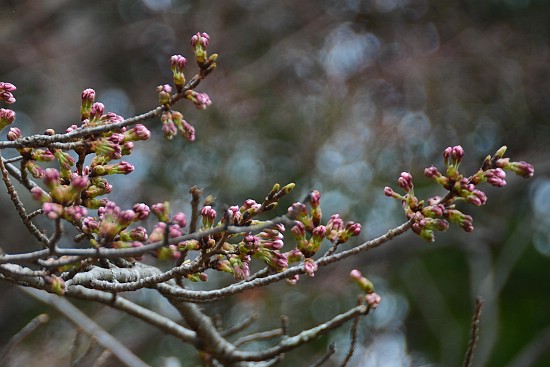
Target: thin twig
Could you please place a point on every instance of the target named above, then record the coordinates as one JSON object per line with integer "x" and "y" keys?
{"x": 240, "y": 326}
{"x": 474, "y": 334}
{"x": 264, "y": 335}
{"x": 22, "y": 334}
{"x": 19, "y": 206}
{"x": 331, "y": 350}
{"x": 354, "y": 328}
{"x": 195, "y": 200}
{"x": 106, "y": 340}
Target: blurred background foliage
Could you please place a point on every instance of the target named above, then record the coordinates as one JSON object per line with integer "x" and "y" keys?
{"x": 336, "y": 95}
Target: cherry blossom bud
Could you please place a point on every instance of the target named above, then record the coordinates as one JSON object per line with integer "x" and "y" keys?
{"x": 40, "y": 195}
{"x": 5, "y": 92}
{"x": 373, "y": 300}
{"x": 169, "y": 129}
{"x": 293, "y": 279}
{"x": 14, "y": 133}
{"x": 495, "y": 177}
{"x": 334, "y": 225}
{"x": 42, "y": 155}
{"x": 463, "y": 220}
{"x": 7, "y": 116}
{"x": 138, "y": 132}
{"x": 187, "y": 130}
{"x": 477, "y": 198}
{"x": 162, "y": 211}
{"x": 200, "y": 100}
{"x": 88, "y": 98}
{"x": 310, "y": 267}
{"x": 138, "y": 234}
{"x": 363, "y": 283}
{"x": 122, "y": 167}
{"x": 126, "y": 217}
{"x": 352, "y": 229}
{"x": 52, "y": 178}
{"x": 457, "y": 153}
{"x": 522, "y": 169}
{"x": 177, "y": 63}
{"x": 65, "y": 161}
{"x": 7, "y": 87}
{"x": 433, "y": 211}
{"x": 298, "y": 211}
{"x": 127, "y": 148}
{"x": 97, "y": 111}
{"x": 208, "y": 215}
{"x": 57, "y": 284}
{"x": 180, "y": 219}
{"x": 234, "y": 214}
{"x": 388, "y": 191}
{"x": 500, "y": 153}
{"x": 75, "y": 213}
{"x": 251, "y": 242}
{"x": 52, "y": 210}
{"x": 199, "y": 42}
{"x": 164, "y": 93}
{"x": 405, "y": 181}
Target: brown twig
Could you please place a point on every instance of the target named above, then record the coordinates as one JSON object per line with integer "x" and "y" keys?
{"x": 353, "y": 337}
{"x": 474, "y": 333}
{"x": 331, "y": 350}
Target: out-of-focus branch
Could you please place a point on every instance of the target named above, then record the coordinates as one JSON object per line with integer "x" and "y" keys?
{"x": 240, "y": 326}
{"x": 106, "y": 340}
{"x": 22, "y": 334}
{"x": 142, "y": 313}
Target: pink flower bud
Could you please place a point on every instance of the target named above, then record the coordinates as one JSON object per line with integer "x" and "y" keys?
{"x": 178, "y": 62}
{"x": 97, "y": 110}
{"x": 523, "y": 169}
{"x": 14, "y": 133}
{"x": 405, "y": 181}
{"x": 88, "y": 96}
{"x": 52, "y": 210}
{"x": 310, "y": 267}
{"x": 141, "y": 210}
{"x": 7, "y": 116}
{"x": 373, "y": 300}
{"x": 180, "y": 219}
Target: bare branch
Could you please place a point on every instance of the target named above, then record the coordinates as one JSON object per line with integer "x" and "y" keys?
{"x": 19, "y": 206}
{"x": 474, "y": 334}
{"x": 240, "y": 326}
{"x": 22, "y": 334}
{"x": 123, "y": 354}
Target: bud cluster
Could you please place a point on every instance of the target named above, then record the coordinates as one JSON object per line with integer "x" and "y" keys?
{"x": 7, "y": 116}
{"x": 172, "y": 121}
{"x": 73, "y": 187}
{"x": 309, "y": 233}
{"x": 435, "y": 216}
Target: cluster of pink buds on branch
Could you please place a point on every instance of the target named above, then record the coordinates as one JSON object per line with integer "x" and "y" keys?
{"x": 172, "y": 121}
{"x": 72, "y": 172}
{"x": 438, "y": 211}
{"x": 89, "y": 152}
